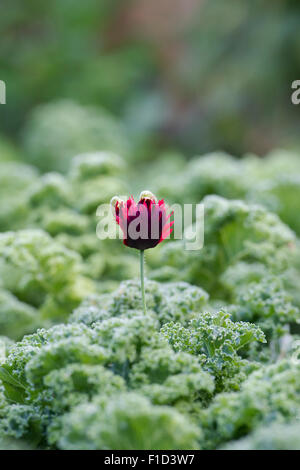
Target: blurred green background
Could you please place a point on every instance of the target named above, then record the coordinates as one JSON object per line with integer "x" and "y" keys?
{"x": 194, "y": 75}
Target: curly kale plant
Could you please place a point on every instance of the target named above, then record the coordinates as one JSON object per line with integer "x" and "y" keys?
{"x": 214, "y": 362}
{"x": 234, "y": 232}
{"x": 91, "y": 372}
{"x": 100, "y": 424}
{"x": 39, "y": 279}
{"x": 270, "y": 437}
{"x": 216, "y": 340}
{"x": 271, "y": 394}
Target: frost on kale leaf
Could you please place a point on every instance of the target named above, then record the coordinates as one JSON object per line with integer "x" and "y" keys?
{"x": 271, "y": 394}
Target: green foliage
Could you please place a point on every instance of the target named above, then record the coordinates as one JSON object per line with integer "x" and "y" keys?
{"x": 8, "y": 151}
{"x": 109, "y": 110}
{"x": 15, "y": 179}
{"x": 126, "y": 421}
{"x": 65, "y": 207}
{"x": 170, "y": 301}
{"x": 267, "y": 304}
{"x": 215, "y": 340}
{"x": 200, "y": 368}
{"x": 53, "y": 377}
{"x": 270, "y": 394}
{"x": 281, "y": 195}
{"x": 40, "y": 279}
{"x": 242, "y": 64}
{"x": 234, "y": 232}
{"x": 170, "y": 378}
{"x": 272, "y": 437}
{"x": 272, "y": 181}
{"x": 16, "y": 317}
{"x": 215, "y": 173}
{"x": 196, "y": 365}
{"x": 58, "y": 131}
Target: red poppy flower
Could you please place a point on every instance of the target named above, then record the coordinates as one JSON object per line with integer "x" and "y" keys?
{"x": 145, "y": 224}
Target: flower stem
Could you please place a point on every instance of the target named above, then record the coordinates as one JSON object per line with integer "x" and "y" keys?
{"x": 143, "y": 280}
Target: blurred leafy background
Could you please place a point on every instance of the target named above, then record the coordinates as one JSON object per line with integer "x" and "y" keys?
{"x": 194, "y": 75}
